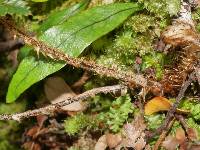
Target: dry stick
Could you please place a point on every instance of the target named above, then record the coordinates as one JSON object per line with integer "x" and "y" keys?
{"x": 53, "y": 107}
{"x": 81, "y": 81}
{"x": 185, "y": 126}
{"x": 129, "y": 79}
{"x": 163, "y": 135}
{"x": 184, "y": 87}
{"x": 182, "y": 121}
{"x": 172, "y": 110}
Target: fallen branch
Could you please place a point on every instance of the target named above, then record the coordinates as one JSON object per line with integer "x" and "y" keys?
{"x": 51, "y": 108}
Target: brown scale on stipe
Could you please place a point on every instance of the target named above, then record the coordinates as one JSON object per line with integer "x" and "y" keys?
{"x": 181, "y": 34}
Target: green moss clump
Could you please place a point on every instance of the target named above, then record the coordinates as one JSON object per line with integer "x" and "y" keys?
{"x": 140, "y": 22}
{"x": 135, "y": 37}
{"x": 196, "y": 18}
{"x": 75, "y": 124}
{"x": 131, "y": 43}
{"x": 119, "y": 52}
{"x": 162, "y": 7}
{"x": 112, "y": 117}
{"x": 154, "y": 60}
{"x": 195, "y": 112}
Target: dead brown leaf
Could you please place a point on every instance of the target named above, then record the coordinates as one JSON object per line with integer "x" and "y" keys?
{"x": 157, "y": 104}
{"x": 41, "y": 119}
{"x": 113, "y": 140}
{"x": 101, "y": 143}
{"x": 160, "y": 104}
{"x": 194, "y": 147}
{"x": 170, "y": 143}
{"x": 134, "y": 136}
{"x": 192, "y": 134}
{"x": 33, "y": 131}
{"x": 180, "y": 135}
{"x": 57, "y": 90}
{"x": 85, "y": 142}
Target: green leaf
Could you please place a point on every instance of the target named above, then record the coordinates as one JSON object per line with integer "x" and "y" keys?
{"x": 60, "y": 16}
{"x": 13, "y": 7}
{"x": 24, "y": 52}
{"x": 72, "y": 37}
{"x": 39, "y": 0}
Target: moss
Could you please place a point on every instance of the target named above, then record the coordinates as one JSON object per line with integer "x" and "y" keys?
{"x": 196, "y": 17}
{"x": 135, "y": 37}
{"x": 162, "y": 7}
{"x": 154, "y": 60}
{"x": 140, "y": 23}
{"x": 75, "y": 124}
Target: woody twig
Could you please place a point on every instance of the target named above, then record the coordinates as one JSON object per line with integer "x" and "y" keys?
{"x": 53, "y": 107}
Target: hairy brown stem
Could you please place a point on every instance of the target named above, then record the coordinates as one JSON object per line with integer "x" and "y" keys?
{"x": 53, "y": 107}
{"x": 129, "y": 79}
{"x": 182, "y": 121}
